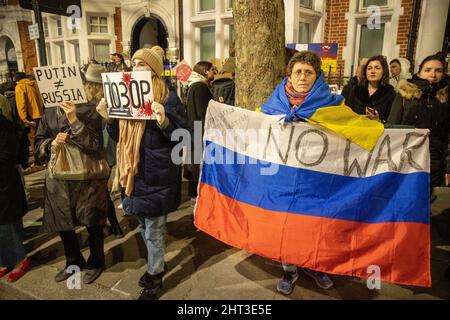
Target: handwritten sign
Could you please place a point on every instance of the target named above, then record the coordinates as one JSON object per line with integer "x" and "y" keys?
{"x": 60, "y": 83}
{"x": 129, "y": 95}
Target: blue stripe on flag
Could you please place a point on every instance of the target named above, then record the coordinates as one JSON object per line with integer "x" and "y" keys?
{"x": 386, "y": 197}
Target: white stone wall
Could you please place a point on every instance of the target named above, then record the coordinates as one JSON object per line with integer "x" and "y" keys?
{"x": 8, "y": 27}
{"x": 431, "y": 29}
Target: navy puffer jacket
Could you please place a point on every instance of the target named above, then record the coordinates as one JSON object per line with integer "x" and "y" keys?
{"x": 157, "y": 185}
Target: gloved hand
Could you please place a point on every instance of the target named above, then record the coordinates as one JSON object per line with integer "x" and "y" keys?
{"x": 160, "y": 115}
{"x": 102, "y": 109}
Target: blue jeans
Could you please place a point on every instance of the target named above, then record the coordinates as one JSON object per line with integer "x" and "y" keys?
{"x": 153, "y": 231}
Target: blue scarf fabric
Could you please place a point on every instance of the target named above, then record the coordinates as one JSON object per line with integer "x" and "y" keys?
{"x": 318, "y": 97}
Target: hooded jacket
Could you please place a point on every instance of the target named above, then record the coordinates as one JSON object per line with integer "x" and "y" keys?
{"x": 405, "y": 65}
{"x": 28, "y": 101}
{"x": 425, "y": 106}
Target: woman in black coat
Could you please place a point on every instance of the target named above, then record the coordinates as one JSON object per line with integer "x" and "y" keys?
{"x": 423, "y": 102}
{"x": 149, "y": 176}
{"x": 373, "y": 96}
{"x": 198, "y": 97}
{"x": 72, "y": 203}
{"x": 13, "y": 205}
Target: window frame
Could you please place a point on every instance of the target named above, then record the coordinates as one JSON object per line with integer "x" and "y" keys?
{"x": 199, "y": 8}
{"x": 45, "y": 27}
{"x": 62, "y": 59}
{"x": 59, "y": 28}
{"x": 229, "y": 5}
{"x": 387, "y": 29}
{"x": 200, "y": 40}
{"x": 303, "y": 6}
{"x": 92, "y": 43}
{"x": 311, "y": 28}
{"x": 98, "y": 24}
{"x": 361, "y": 7}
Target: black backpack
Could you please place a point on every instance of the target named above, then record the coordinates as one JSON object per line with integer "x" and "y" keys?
{"x": 223, "y": 90}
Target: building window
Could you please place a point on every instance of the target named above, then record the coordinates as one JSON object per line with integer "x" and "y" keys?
{"x": 59, "y": 27}
{"x": 45, "y": 25}
{"x": 49, "y": 54}
{"x": 61, "y": 53}
{"x": 304, "y": 32}
{"x": 98, "y": 24}
{"x": 306, "y": 4}
{"x": 76, "y": 53}
{"x": 371, "y": 42}
{"x": 207, "y": 5}
{"x": 207, "y": 43}
{"x": 368, "y": 3}
{"x": 231, "y": 35}
{"x": 100, "y": 51}
{"x": 3, "y": 3}
{"x": 230, "y": 5}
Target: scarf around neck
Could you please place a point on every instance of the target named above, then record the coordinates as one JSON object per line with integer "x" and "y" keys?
{"x": 295, "y": 98}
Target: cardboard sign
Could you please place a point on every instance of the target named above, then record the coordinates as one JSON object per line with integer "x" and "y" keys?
{"x": 328, "y": 53}
{"x": 183, "y": 71}
{"x": 60, "y": 83}
{"x": 129, "y": 95}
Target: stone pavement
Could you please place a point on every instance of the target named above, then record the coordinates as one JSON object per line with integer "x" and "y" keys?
{"x": 199, "y": 267}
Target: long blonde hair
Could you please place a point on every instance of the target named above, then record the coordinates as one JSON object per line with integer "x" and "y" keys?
{"x": 160, "y": 90}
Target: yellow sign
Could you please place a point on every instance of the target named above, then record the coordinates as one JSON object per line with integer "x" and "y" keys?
{"x": 326, "y": 63}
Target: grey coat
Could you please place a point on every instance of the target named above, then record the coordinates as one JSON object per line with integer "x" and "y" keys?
{"x": 72, "y": 203}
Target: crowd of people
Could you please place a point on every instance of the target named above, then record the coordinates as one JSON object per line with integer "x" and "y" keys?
{"x": 140, "y": 150}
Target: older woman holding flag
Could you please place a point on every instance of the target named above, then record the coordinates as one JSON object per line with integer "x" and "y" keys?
{"x": 304, "y": 96}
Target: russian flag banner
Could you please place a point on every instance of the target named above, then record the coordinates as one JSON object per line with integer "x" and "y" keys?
{"x": 300, "y": 194}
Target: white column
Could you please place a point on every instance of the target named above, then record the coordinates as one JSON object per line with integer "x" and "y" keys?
{"x": 292, "y": 12}
{"x": 83, "y": 40}
{"x": 189, "y": 32}
{"x": 220, "y": 29}
{"x": 432, "y": 29}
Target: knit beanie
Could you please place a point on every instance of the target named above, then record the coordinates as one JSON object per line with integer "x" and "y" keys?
{"x": 153, "y": 57}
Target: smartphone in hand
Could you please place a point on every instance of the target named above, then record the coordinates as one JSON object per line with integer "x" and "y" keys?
{"x": 371, "y": 110}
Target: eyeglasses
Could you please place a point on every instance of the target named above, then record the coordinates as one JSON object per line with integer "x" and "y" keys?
{"x": 308, "y": 74}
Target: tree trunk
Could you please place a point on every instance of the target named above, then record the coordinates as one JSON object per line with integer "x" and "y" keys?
{"x": 259, "y": 43}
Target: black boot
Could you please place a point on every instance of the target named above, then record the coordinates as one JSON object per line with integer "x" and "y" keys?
{"x": 447, "y": 273}
{"x": 145, "y": 278}
{"x": 116, "y": 231}
{"x": 152, "y": 288}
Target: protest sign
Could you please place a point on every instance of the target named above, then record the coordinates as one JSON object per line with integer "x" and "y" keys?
{"x": 129, "y": 95}
{"x": 183, "y": 71}
{"x": 60, "y": 83}
{"x": 300, "y": 194}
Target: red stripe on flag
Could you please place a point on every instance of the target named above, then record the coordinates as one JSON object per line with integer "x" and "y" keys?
{"x": 401, "y": 250}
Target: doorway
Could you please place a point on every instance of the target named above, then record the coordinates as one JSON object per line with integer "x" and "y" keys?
{"x": 148, "y": 32}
